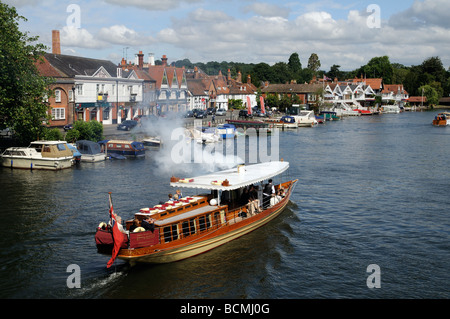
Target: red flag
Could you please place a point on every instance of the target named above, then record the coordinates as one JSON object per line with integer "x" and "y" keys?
{"x": 249, "y": 105}
{"x": 263, "y": 110}
{"x": 116, "y": 233}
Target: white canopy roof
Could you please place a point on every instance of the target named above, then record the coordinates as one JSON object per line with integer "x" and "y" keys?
{"x": 237, "y": 177}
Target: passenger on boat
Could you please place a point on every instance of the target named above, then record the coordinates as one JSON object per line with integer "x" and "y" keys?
{"x": 134, "y": 225}
{"x": 178, "y": 192}
{"x": 119, "y": 224}
{"x": 269, "y": 190}
{"x": 253, "y": 201}
{"x": 148, "y": 224}
{"x": 170, "y": 198}
{"x": 276, "y": 199}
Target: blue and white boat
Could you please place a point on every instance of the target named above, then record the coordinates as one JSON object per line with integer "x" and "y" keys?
{"x": 90, "y": 151}
{"x": 226, "y": 131}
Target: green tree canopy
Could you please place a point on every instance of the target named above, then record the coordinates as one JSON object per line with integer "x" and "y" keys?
{"x": 378, "y": 67}
{"x": 22, "y": 91}
{"x": 314, "y": 63}
{"x": 294, "y": 65}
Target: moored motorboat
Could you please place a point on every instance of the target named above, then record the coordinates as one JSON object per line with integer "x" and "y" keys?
{"x": 305, "y": 118}
{"x": 226, "y": 130}
{"x": 282, "y": 122}
{"x": 45, "y": 155}
{"x": 193, "y": 225}
{"x": 90, "y": 151}
{"x": 442, "y": 119}
{"x": 152, "y": 141}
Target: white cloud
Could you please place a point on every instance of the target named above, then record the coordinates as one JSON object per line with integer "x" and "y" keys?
{"x": 423, "y": 14}
{"x": 152, "y": 5}
{"x": 267, "y": 10}
{"x": 120, "y": 34}
{"x": 81, "y": 38}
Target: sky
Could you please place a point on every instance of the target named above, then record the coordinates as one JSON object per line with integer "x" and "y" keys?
{"x": 345, "y": 33}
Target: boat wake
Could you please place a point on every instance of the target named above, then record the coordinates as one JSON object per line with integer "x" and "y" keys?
{"x": 95, "y": 286}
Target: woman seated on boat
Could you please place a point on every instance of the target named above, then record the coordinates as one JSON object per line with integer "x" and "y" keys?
{"x": 277, "y": 198}
{"x": 119, "y": 224}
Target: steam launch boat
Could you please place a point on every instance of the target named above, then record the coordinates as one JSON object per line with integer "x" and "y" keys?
{"x": 235, "y": 205}
{"x": 442, "y": 119}
{"x": 43, "y": 155}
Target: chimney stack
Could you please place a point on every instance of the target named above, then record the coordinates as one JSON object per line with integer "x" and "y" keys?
{"x": 140, "y": 60}
{"x": 56, "y": 44}
{"x": 164, "y": 60}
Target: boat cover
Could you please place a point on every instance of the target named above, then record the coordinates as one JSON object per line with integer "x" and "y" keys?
{"x": 237, "y": 177}
{"x": 88, "y": 147}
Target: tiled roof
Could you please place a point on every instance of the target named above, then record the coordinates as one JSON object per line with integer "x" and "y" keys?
{"x": 46, "y": 69}
{"x": 292, "y": 88}
{"x": 71, "y": 66}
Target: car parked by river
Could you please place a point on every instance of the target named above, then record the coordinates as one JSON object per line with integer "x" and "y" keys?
{"x": 221, "y": 112}
{"x": 201, "y": 115}
{"x": 127, "y": 125}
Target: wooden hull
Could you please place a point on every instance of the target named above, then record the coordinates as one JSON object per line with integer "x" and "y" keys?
{"x": 203, "y": 242}
{"x": 441, "y": 122}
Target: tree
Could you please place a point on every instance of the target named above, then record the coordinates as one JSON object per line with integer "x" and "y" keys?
{"x": 334, "y": 72}
{"x": 92, "y": 131}
{"x": 431, "y": 94}
{"x": 294, "y": 65}
{"x": 314, "y": 63}
{"x": 22, "y": 91}
{"x": 378, "y": 67}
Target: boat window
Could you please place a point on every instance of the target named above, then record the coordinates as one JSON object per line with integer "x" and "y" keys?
{"x": 61, "y": 147}
{"x": 46, "y": 148}
{"x": 167, "y": 234}
{"x": 175, "y": 232}
{"x": 202, "y": 223}
{"x": 119, "y": 145}
{"x": 193, "y": 226}
{"x": 110, "y": 145}
{"x": 185, "y": 228}
{"x": 216, "y": 221}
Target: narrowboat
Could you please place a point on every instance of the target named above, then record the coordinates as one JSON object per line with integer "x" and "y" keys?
{"x": 42, "y": 155}
{"x": 123, "y": 148}
{"x": 442, "y": 119}
{"x": 193, "y": 225}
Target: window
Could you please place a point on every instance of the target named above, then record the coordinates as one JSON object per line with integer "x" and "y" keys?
{"x": 174, "y": 232}
{"x": 167, "y": 234}
{"x": 57, "y": 95}
{"x": 58, "y": 113}
{"x": 106, "y": 113}
{"x": 193, "y": 226}
{"x": 61, "y": 147}
{"x": 71, "y": 96}
{"x": 79, "y": 88}
{"x": 204, "y": 222}
{"x": 185, "y": 228}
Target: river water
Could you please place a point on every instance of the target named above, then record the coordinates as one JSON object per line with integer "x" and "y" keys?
{"x": 371, "y": 191}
